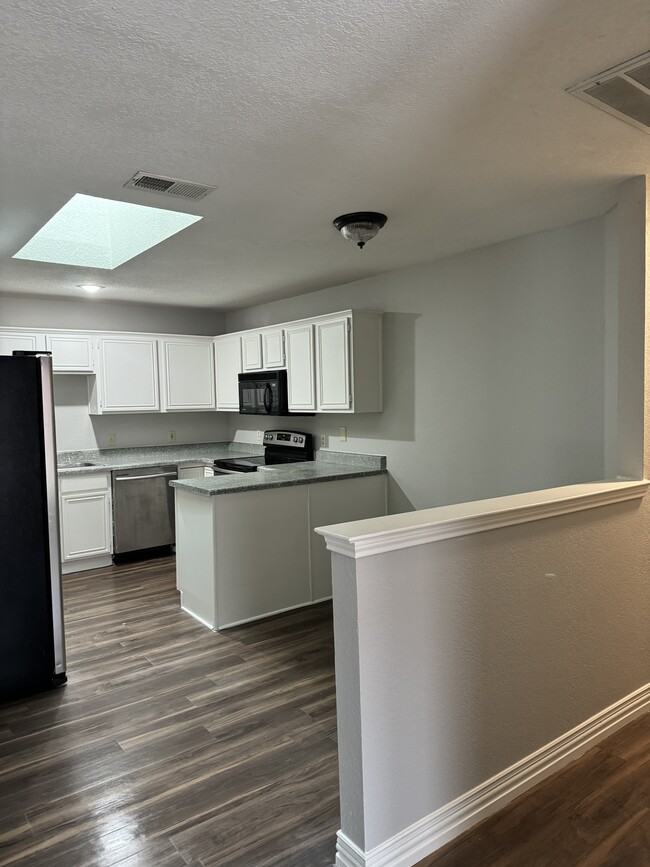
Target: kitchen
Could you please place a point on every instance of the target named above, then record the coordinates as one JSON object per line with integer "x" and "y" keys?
{"x": 493, "y": 274}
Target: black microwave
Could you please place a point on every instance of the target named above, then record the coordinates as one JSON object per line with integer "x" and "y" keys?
{"x": 263, "y": 392}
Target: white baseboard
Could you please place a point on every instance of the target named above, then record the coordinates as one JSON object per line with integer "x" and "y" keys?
{"x": 438, "y": 828}
{"x": 82, "y": 565}
{"x": 348, "y": 853}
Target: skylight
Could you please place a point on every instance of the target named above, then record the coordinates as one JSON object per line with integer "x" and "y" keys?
{"x": 102, "y": 233}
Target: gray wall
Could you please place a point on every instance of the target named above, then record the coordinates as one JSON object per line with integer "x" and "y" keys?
{"x": 100, "y": 315}
{"x": 456, "y": 659}
{"x": 494, "y": 364}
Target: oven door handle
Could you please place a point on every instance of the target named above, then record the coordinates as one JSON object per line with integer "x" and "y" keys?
{"x": 268, "y": 398}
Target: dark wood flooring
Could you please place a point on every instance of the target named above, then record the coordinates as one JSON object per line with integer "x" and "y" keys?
{"x": 172, "y": 745}
{"x": 594, "y": 813}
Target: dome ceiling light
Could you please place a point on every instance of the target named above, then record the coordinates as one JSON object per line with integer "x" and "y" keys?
{"x": 360, "y": 227}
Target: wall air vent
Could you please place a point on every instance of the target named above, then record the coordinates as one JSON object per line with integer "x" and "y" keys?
{"x": 169, "y": 186}
{"x": 623, "y": 91}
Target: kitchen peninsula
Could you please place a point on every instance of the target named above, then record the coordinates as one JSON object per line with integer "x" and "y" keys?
{"x": 245, "y": 546}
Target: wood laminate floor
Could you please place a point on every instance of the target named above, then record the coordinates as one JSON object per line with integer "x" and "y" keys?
{"x": 594, "y": 813}
{"x": 172, "y": 745}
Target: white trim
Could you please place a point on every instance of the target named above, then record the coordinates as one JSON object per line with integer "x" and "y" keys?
{"x": 435, "y": 830}
{"x": 196, "y": 616}
{"x": 83, "y": 565}
{"x": 264, "y": 616}
{"x": 376, "y": 536}
{"x": 348, "y": 853}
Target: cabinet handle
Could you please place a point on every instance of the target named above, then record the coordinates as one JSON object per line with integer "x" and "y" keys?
{"x": 134, "y": 478}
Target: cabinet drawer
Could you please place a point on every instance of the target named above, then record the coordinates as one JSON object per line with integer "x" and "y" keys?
{"x": 79, "y": 484}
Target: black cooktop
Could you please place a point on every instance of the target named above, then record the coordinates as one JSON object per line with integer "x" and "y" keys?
{"x": 240, "y": 465}
{"x": 280, "y": 447}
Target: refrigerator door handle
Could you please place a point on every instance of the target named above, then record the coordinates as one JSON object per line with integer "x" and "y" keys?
{"x": 52, "y": 502}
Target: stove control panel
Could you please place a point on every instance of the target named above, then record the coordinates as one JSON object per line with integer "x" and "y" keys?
{"x": 295, "y": 439}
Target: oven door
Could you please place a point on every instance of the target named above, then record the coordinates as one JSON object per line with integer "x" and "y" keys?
{"x": 258, "y": 397}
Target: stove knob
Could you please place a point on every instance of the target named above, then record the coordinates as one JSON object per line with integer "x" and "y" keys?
{"x": 295, "y": 439}
{"x": 300, "y": 439}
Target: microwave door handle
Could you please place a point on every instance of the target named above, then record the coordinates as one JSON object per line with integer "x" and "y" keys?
{"x": 268, "y": 398}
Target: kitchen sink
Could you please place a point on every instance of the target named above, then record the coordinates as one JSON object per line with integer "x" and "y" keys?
{"x": 76, "y": 466}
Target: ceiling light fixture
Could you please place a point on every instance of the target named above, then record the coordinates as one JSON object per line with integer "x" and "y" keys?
{"x": 90, "y": 287}
{"x": 360, "y": 227}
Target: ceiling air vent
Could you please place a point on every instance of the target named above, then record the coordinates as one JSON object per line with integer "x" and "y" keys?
{"x": 169, "y": 186}
{"x": 623, "y": 91}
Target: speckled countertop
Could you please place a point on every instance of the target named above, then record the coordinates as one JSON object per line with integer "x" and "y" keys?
{"x": 282, "y": 476}
{"x": 327, "y": 466}
{"x": 150, "y": 456}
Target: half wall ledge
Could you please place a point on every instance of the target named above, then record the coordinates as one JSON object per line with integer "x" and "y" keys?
{"x": 358, "y": 539}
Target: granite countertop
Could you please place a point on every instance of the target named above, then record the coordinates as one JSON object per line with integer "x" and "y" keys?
{"x": 286, "y": 475}
{"x": 103, "y": 460}
{"x": 326, "y": 466}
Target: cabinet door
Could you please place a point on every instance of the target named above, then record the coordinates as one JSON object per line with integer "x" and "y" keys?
{"x": 85, "y": 525}
{"x": 188, "y": 375}
{"x": 273, "y": 349}
{"x": 25, "y": 341}
{"x": 129, "y": 374}
{"x": 227, "y": 359}
{"x": 71, "y": 353}
{"x": 251, "y": 349}
{"x": 191, "y": 472}
{"x": 300, "y": 367}
{"x": 333, "y": 353}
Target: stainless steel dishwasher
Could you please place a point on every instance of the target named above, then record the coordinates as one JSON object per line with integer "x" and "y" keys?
{"x": 143, "y": 508}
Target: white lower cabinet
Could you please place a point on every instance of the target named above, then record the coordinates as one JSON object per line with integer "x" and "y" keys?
{"x": 85, "y": 521}
{"x": 337, "y": 502}
{"x": 224, "y": 580}
{"x": 198, "y": 471}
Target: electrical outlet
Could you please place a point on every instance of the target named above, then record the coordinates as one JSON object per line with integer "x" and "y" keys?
{"x": 322, "y": 442}
{"x": 111, "y": 439}
{"x": 343, "y": 434}
{"x": 172, "y": 436}
{"x": 259, "y": 436}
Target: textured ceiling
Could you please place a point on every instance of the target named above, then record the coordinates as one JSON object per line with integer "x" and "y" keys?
{"x": 450, "y": 117}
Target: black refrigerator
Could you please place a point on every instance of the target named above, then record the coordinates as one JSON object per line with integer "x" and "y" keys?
{"x": 32, "y": 646}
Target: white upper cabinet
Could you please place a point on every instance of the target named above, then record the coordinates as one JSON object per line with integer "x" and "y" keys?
{"x": 273, "y": 349}
{"x": 333, "y": 365}
{"x": 187, "y": 374}
{"x": 251, "y": 350}
{"x": 263, "y": 350}
{"x": 228, "y": 365}
{"x": 301, "y": 383}
{"x": 26, "y": 341}
{"x": 71, "y": 353}
{"x": 127, "y": 375}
